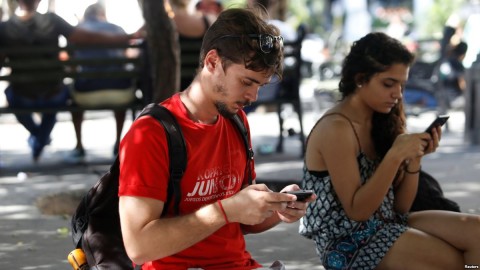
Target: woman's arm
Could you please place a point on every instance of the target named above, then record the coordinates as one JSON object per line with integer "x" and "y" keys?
{"x": 335, "y": 140}
{"x": 406, "y": 190}
{"x": 360, "y": 201}
{"x": 407, "y": 187}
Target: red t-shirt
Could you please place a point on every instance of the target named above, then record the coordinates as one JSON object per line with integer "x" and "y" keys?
{"x": 215, "y": 170}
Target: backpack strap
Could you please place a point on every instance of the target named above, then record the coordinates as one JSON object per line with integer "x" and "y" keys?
{"x": 238, "y": 122}
{"x": 177, "y": 151}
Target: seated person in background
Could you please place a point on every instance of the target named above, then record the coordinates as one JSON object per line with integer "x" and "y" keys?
{"x": 27, "y": 27}
{"x": 90, "y": 92}
{"x": 272, "y": 6}
{"x": 364, "y": 168}
{"x": 451, "y": 76}
{"x": 272, "y": 90}
{"x": 191, "y": 26}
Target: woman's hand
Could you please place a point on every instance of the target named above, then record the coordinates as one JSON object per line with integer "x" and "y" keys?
{"x": 412, "y": 146}
{"x": 435, "y": 140}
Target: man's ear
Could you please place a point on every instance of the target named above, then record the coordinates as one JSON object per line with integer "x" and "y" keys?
{"x": 212, "y": 59}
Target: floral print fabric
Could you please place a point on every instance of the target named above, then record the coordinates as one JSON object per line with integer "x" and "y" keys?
{"x": 343, "y": 243}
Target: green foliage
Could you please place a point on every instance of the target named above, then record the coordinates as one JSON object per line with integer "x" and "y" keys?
{"x": 439, "y": 13}
{"x": 234, "y": 3}
{"x": 298, "y": 11}
{"x": 308, "y": 12}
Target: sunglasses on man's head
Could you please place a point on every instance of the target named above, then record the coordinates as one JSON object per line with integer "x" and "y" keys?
{"x": 266, "y": 42}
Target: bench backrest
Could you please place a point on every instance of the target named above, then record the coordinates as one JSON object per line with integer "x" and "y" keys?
{"x": 32, "y": 66}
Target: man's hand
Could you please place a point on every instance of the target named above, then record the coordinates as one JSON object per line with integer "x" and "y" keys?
{"x": 295, "y": 209}
{"x": 255, "y": 203}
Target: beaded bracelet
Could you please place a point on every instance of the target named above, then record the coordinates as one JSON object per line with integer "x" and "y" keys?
{"x": 414, "y": 172}
{"x": 223, "y": 211}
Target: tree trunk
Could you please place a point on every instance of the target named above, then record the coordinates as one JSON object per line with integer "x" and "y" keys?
{"x": 282, "y": 10}
{"x": 164, "y": 50}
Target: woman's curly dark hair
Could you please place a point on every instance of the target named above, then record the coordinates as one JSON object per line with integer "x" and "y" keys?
{"x": 372, "y": 54}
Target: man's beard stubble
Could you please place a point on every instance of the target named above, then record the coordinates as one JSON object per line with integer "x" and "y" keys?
{"x": 222, "y": 107}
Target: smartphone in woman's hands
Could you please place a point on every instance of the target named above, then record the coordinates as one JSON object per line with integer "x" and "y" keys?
{"x": 438, "y": 122}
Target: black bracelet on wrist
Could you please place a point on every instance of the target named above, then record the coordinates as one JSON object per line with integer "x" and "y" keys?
{"x": 414, "y": 172}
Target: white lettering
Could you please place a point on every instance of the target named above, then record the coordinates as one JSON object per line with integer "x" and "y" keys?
{"x": 204, "y": 187}
{"x": 213, "y": 182}
{"x": 190, "y": 194}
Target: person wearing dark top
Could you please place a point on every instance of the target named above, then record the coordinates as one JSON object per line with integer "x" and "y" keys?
{"x": 452, "y": 74}
{"x": 182, "y": 39}
{"x": 100, "y": 91}
{"x": 27, "y": 27}
{"x": 191, "y": 26}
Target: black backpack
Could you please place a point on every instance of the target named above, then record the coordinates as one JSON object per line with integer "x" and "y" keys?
{"x": 430, "y": 196}
{"x": 96, "y": 221}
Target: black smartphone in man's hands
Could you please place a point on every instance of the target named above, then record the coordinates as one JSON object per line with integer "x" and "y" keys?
{"x": 302, "y": 195}
{"x": 438, "y": 122}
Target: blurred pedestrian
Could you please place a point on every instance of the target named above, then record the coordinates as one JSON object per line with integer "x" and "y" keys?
{"x": 272, "y": 90}
{"x": 451, "y": 79}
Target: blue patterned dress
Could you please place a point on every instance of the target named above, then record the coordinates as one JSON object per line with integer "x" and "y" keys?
{"x": 343, "y": 243}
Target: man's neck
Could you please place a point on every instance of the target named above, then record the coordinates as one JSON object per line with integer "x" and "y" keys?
{"x": 196, "y": 111}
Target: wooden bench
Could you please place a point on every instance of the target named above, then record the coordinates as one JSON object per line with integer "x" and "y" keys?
{"x": 288, "y": 93}
{"x": 65, "y": 69}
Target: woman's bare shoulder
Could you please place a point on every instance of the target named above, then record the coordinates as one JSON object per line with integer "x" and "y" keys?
{"x": 331, "y": 128}
{"x": 333, "y": 121}
{"x": 332, "y": 135}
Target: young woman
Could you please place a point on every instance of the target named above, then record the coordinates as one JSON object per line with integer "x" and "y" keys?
{"x": 364, "y": 168}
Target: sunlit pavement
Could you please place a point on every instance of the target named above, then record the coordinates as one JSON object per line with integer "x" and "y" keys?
{"x": 32, "y": 240}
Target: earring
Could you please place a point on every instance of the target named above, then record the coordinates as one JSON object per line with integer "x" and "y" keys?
{"x": 359, "y": 85}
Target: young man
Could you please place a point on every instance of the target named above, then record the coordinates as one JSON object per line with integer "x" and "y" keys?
{"x": 240, "y": 53}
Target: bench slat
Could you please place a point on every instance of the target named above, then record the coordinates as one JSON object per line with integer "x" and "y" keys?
{"x": 30, "y": 68}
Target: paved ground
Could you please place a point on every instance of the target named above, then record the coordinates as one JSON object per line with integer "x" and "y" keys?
{"x": 30, "y": 239}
